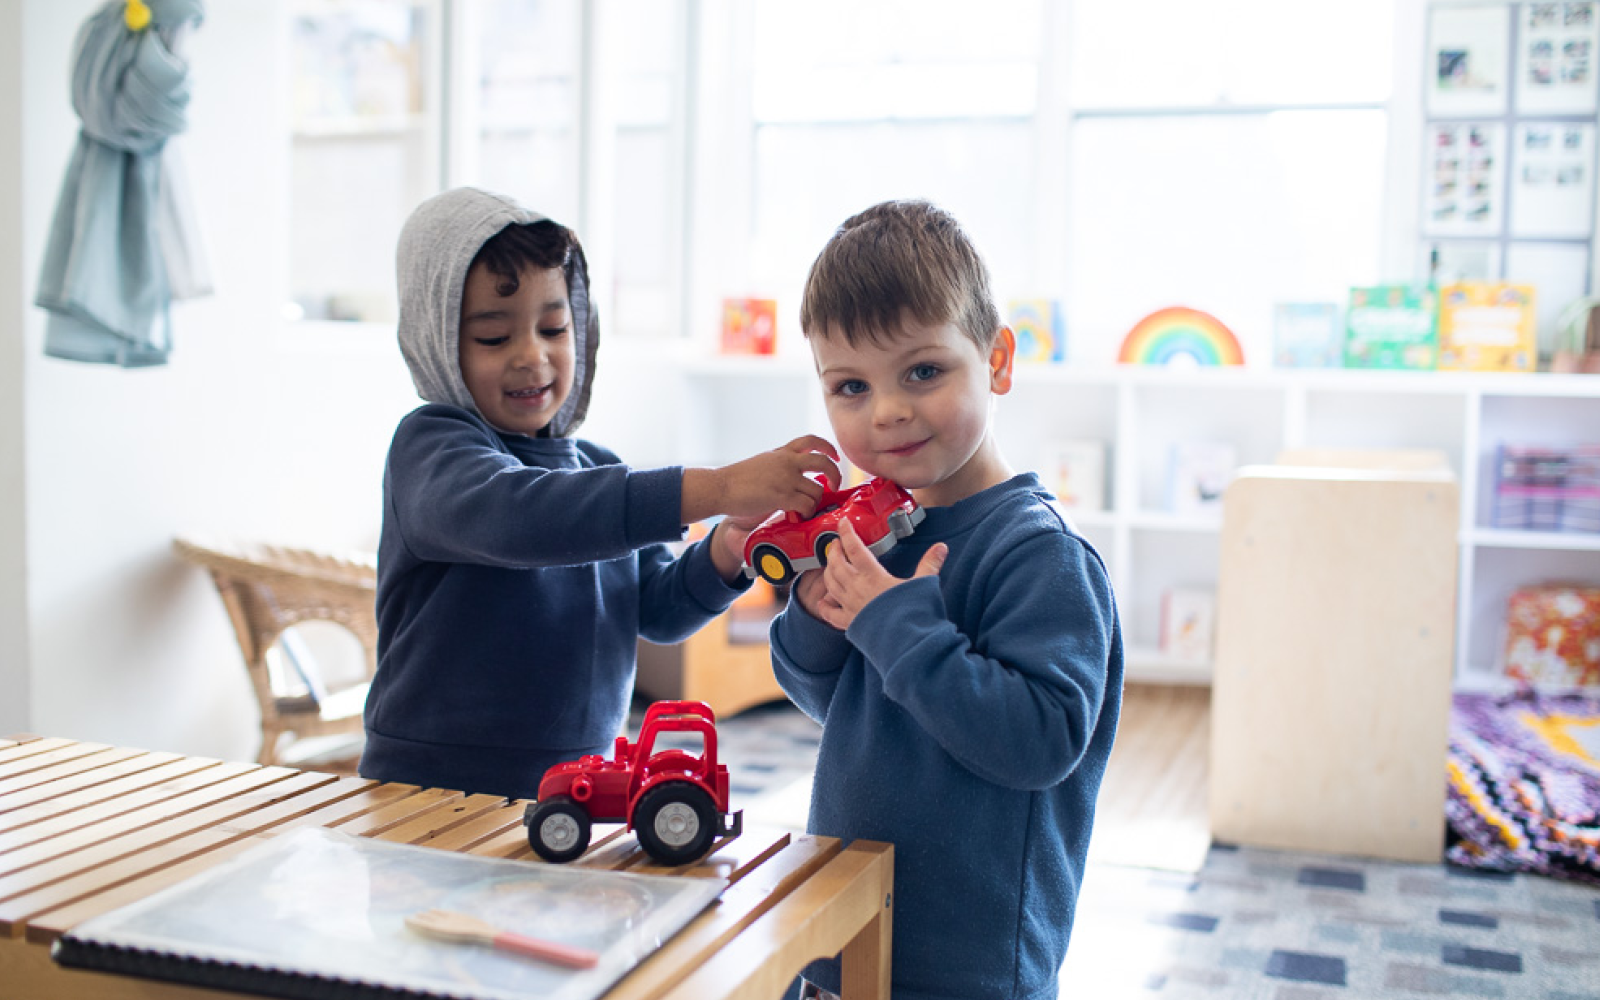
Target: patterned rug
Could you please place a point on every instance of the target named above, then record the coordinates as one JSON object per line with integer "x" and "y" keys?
{"x": 1283, "y": 926}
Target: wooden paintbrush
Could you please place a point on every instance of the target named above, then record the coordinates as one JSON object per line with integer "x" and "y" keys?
{"x": 452, "y": 926}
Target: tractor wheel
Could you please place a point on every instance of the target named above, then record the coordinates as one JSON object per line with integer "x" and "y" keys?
{"x": 772, "y": 565}
{"x": 824, "y": 540}
{"x": 558, "y": 830}
{"x": 676, "y": 822}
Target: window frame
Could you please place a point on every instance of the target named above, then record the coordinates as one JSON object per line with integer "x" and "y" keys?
{"x": 715, "y": 130}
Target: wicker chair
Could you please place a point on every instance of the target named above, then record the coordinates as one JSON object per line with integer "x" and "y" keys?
{"x": 267, "y": 589}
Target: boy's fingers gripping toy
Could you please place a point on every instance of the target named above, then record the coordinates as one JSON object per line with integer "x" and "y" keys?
{"x": 786, "y": 544}
{"x": 675, "y": 801}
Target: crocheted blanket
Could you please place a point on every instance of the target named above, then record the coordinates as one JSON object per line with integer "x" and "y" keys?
{"x": 1525, "y": 784}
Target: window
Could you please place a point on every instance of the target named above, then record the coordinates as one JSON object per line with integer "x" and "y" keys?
{"x": 575, "y": 109}
{"x": 1225, "y": 154}
{"x": 855, "y": 103}
{"x": 518, "y": 124}
{"x": 1220, "y": 153}
{"x": 363, "y": 113}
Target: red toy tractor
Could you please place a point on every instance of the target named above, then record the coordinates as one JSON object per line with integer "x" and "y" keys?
{"x": 675, "y": 801}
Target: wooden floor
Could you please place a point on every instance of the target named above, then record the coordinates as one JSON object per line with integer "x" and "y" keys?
{"x": 1152, "y": 808}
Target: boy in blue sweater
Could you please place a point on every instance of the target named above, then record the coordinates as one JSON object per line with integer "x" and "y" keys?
{"x": 518, "y": 565}
{"x": 969, "y": 681}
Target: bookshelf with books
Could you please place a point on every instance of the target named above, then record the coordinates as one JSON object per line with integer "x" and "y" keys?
{"x": 731, "y": 407}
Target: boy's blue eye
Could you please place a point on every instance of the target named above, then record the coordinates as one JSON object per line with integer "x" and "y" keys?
{"x": 850, "y": 387}
{"x": 922, "y": 373}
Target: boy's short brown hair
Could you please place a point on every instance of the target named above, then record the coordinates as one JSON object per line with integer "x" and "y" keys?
{"x": 898, "y": 257}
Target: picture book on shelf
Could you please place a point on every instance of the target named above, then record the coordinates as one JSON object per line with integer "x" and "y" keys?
{"x": 1187, "y": 617}
{"x": 749, "y": 326}
{"x": 1075, "y": 471}
{"x": 1040, "y": 330}
{"x": 1197, "y": 474}
{"x": 317, "y": 913}
{"x": 1487, "y": 327}
{"x": 1391, "y": 326}
{"x": 1306, "y": 335}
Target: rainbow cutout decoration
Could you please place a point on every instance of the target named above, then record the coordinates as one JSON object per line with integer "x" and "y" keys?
{"x": 1181, "y": 335}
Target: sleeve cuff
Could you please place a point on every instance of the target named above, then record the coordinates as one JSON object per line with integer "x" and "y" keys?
{"x": 654, "y": 510}
{"x": 705, "y": 584}
{"x": 807, "y": 639}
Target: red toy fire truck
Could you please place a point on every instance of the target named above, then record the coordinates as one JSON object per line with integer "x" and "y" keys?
{"x": 675, "y": 801}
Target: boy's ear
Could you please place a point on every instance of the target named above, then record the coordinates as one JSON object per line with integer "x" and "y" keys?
{"x": 1001, "y": 358}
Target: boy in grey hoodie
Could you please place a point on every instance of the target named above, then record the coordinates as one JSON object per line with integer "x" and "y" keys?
{"x": 518, "y": 565}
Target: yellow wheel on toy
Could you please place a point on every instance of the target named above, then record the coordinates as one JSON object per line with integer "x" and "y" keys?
{"x": 771, "y": 564}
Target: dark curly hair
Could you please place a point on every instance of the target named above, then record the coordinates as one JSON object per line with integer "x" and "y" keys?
{"x": 521, "y": 245}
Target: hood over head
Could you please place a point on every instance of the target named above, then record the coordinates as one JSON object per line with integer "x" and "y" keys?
{"x": 435, "y": 249}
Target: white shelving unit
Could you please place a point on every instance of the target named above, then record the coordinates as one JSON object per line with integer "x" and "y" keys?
{"x": 730, "y": 408}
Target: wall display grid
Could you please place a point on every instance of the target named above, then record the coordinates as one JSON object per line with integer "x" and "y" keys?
{"x": 1509, "y": 172}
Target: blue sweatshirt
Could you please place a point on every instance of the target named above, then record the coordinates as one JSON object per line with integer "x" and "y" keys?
{"x": 515, "y": 576}
{"x": 967, "y": 719}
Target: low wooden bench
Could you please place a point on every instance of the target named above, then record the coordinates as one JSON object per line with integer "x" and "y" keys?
{"x": 86, "y": 828}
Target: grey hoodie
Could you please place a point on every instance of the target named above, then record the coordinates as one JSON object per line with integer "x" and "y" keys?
{"x": 436, "y": 246}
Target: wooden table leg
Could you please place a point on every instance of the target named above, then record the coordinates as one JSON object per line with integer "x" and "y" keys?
{"x": 865, "y": 968}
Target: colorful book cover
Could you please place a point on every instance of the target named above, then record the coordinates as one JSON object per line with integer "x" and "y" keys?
{"x": 749, "y": 326}
{"x": 1075, "y": 471}
{"x": 1041, "y": 332}
{"x": 1187, "y": 617}
{"x": 1486, "y": 327}
{"x": 1392, "y": 326}
{"x": 1197, "y": 474}
{"x": 1306, "y": 335}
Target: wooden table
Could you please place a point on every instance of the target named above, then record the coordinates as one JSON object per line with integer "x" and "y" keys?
{"x": 86, "y": 828}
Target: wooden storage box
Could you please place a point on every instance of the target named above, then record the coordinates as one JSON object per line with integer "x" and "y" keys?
{"x": 1331, "y": 698}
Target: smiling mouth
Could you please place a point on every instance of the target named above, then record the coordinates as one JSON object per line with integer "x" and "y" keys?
{"x": 905, "y": 449}
{"x": 533, "y": 392}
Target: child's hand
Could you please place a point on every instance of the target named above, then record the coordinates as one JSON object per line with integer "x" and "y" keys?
{"x": 727, "y": 545}
{"x": 811, "y": 590}
{"x": 854, "y": 576}
{"x": 761, "y": 484}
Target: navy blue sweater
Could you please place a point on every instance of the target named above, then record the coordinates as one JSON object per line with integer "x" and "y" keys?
{"x": 515, "y": 577}
{"x": 967, "y": 719}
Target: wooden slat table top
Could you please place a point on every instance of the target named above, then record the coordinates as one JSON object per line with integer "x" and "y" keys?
{"x": 86, "y": 828}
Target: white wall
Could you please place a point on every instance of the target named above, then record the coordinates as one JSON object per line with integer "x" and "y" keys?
{"x": 14, "y": 680}
{"x": 254, "y": 428}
